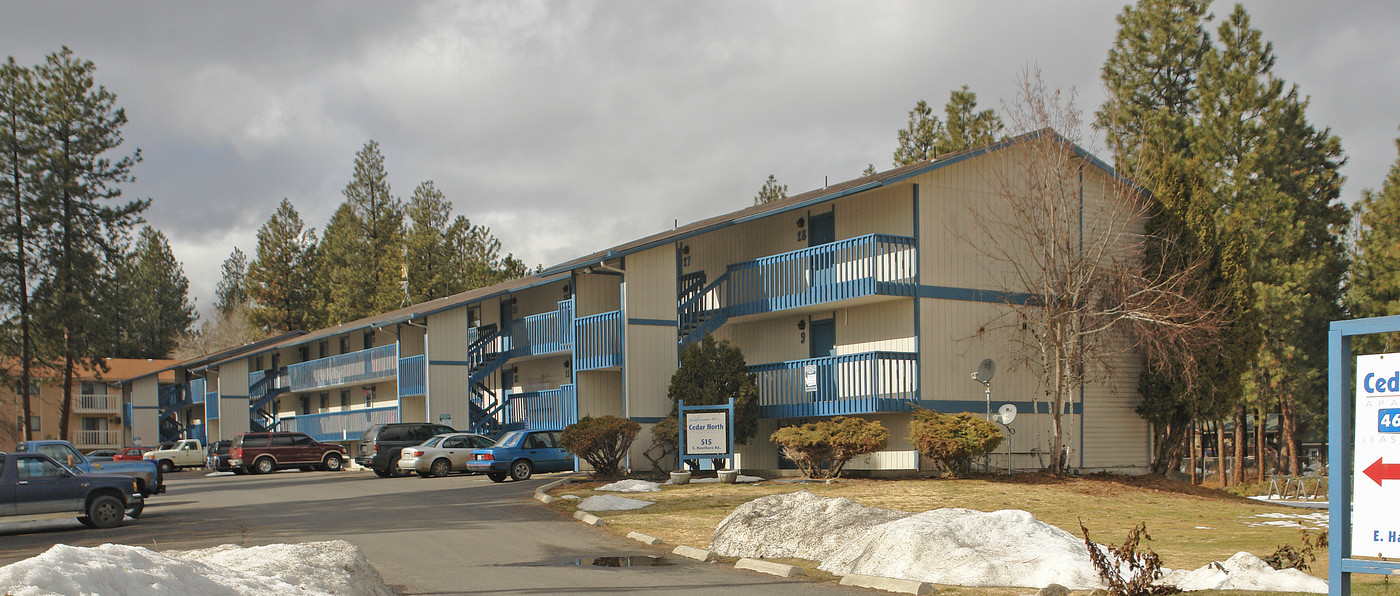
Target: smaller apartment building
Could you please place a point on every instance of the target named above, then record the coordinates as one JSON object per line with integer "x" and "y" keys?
{"x": 864, "y": 298}
{"x": 100, "y": 418}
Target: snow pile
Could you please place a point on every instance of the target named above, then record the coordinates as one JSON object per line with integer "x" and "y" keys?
{"x": 611, "y": 503}
{"x": 1307, "y": 521}
{"x": 631, "y": 486}
{"x": 331, "y": 568}
{"x": 960, "y": 547}
{"x": 1244, "y": 572}
{"x": 970, "y": 548}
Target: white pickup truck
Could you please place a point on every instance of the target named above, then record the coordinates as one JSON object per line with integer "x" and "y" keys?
{"x": 186, "y": 453}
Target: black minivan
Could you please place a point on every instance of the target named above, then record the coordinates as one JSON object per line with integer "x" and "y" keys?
{"x": 380, "y": 445}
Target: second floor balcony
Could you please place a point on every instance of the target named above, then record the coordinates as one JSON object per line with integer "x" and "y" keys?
{"x": 340, "y": 426}
{"x": 598, "y": 341}
{"x": 855, "y": 268}
{"x": 866, "y": 383}
{"x": 97, "y": 403}
{"x": 413, "y": 375}
{"x": 84, "y": 440}
{"x": 353, "y": 368}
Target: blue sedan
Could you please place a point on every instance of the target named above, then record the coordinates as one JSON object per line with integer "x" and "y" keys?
{"x": 519, "y": 453}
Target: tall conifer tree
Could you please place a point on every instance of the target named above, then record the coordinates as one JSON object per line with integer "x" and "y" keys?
{"x": 154, "y": 293}
{"x": 279, "y": 278}
{"x": 380, "y": 214}
{"x": 1373, "y": 284}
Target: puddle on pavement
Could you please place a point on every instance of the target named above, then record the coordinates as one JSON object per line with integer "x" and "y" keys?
{"x": 631, "y": 561}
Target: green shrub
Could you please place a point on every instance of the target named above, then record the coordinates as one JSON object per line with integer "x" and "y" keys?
{"x": 829, "y": 443}
{"x": 952, "y": 440}
{"x": 710, "y": 373}
{"x": 602, "y": 442}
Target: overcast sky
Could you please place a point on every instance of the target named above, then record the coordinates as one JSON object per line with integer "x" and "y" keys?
{"x": 569, "y": 127}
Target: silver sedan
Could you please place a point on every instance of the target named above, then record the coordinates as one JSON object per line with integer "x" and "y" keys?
{"x": 441, "y": 454}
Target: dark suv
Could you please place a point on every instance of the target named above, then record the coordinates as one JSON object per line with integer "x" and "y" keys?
{"x": 381, "y": 444}
{"x": 216, "y": 459}
{"x": 261, "y": 453}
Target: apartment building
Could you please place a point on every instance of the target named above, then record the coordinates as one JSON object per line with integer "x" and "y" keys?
{"x": 864, "y": 298}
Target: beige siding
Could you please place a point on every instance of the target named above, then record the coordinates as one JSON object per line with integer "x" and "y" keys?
{"x": 881, "y": 211}
{"x": 768, "y": 340}
{"x": 651, "y": 285}
{"x": 231, "y": 379}
{"x": 597, "y": 293}
{"x": 145, "y": 399}
{"x": 541, "y": 373}
{"x": 543, "y": 299}
{"x": 448, "y": 392}
{"x": 411, "y": 340}
{"x": 600, "y": 394}
{"x": 885, "y": 326}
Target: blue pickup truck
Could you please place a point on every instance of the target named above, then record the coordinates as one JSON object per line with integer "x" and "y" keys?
{"x": 148, "y": 477}
{"x": 33, "y": 485}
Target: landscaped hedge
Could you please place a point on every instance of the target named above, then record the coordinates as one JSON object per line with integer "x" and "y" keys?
{"x": 952, "y": 440}
{"x": 829, "y": 444}
{"x": 602, "y": 442}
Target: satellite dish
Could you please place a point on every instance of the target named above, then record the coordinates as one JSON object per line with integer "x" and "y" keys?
{"x": 985, "y": 370}
{"x": 1007, "y": 412}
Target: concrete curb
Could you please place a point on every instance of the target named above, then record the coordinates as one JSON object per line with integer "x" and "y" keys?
{"x": 888, "y": 584}
{"x": 691, "y": 552}
{"x": 643, "y": 538}
{"x": 543, "y": 498}
{"x": 589, "y": 518}
{"x": 769, "y": 567}
{"x": 551, "y": 486}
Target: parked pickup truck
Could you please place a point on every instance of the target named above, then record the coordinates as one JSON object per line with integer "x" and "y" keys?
{"x": 148, "y": 478}
{"x": 187, "y": 453}
{"x": 34, "y": 485}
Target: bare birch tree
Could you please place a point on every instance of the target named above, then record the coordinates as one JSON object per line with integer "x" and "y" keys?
{"x": 1081, "y": 280}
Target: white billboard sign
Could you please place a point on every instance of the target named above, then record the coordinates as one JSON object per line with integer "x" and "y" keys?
{"x": 706, "y": 433}
{"x": 1375, "y": 522}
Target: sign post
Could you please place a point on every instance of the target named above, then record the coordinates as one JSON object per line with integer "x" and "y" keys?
{"x": 1362, "y": 484}
{"x": 706, "y": 432}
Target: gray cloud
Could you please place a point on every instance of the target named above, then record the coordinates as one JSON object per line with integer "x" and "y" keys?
{"x": 569, "y": 127}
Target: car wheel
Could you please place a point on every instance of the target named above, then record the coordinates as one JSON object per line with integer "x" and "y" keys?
{"x": 382, "y": 473}
{"x": 394, "y": 468}
{"x": 496, "y": 476}
{"x": 86, "y": 521}
{"x": 106, "y": 511}
{"x": 521, "y": 470}
{"x": 334, "y": 463}
{"x": 441, "y": 467}
{"x": 134, "y": 511}
{"x": 166, "y": 466}
{"x": 264, "y": 465}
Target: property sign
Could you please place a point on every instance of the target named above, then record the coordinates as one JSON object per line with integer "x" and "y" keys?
{"x": 809, "y": 377}
{"x": 1375, "y": 529}
{"x": 445, "y": 419}
{"x": 706, "y": 433}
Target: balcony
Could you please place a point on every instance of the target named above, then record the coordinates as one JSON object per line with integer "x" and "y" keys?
{"x": 545, "y": 333}
{"x": 866, "y": 383}
{"x": 552, "y": 409}
{"x": 340, "y": 426}
{"x": 211, "y": 405}
{"x": 346, "y": 369}
{"x": 95, "y": 439}
{"x": 97, "y": 403}
{"x": 195, "y": 431}
{"x": 598, "y": 341}
{"x": 861, "y": 267}
{"x": 413, "y": 375}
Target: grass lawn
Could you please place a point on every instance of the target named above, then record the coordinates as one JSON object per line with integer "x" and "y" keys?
{"x": 1190, "y": 526}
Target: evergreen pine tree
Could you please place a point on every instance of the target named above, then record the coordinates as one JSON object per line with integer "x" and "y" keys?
{"x": 1373, "y": 284}
{"x": 155, "y": 293}
{"x": 380, "y": 214}
{"x": 279, "y": 278}
{"x": 341, "y": 278}
{"x": 964, "y": 127}
{"x": 431, "y": 264}
{"x": 771, "y": 191}
{"x": 918, "y": 139}
{"x": 232, "y": 290}
{"x": 19, "y": 120}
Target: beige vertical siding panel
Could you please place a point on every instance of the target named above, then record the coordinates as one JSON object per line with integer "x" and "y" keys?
{"x": 411, "y": 340}
{"x": 597, "y": 293}
{"x": 882, "y": 211}
{"x": 145, "y": 397}
{"x": 448, "y": 392}
{"x": 600, "y": 394}
{"x": 884, "y": 326}
{"x": 650, "y": 350}
{"x": 539, "y": 300}
{"x": 542, "y": 373}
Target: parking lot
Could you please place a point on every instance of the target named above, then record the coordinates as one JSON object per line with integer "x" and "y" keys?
{"x": 455, "y": 535}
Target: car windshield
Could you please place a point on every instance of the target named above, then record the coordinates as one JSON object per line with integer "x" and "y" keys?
{"x": 432, "y": 442}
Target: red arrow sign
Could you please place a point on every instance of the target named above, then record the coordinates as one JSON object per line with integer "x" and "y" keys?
{"x": 1379, "y": 471}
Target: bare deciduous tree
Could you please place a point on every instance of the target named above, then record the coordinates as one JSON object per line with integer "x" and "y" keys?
{"x": 1067, "y": 251}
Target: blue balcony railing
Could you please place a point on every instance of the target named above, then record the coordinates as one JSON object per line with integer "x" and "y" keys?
{"x": 211, "y": 405}
{"x": 552, "y": 409}
{"x": 413, "y": 375}
{"x": 196, "y": 390}
{"x": 340, "y": 426}
{"x": 598, "y": 341}
{"x": 195, "y": 431}
{"x": 543, "y": 333}
{"x": 838, "y": 385}
{"x": 128, "y": 412}
{"x": 874, "y": 264}
{"x": 168, "y": 396}
{"x": 346, "y": 369}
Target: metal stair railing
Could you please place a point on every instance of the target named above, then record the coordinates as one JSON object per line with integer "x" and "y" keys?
{"x": 704, "y": 311}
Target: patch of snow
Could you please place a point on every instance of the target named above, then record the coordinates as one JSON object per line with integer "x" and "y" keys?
{"x": 1278, "y": 524}
{"x": 631, "y": 486}
{"x": 326, "y": 568}
{"x": 570, "y": 497}
{"x": 949, "y": 546}
{"x": 1244, "y": 572}
{"x": 218, "y": 474}
{"x": 611, "y": 503}
{"x": 1204, "y": 528}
